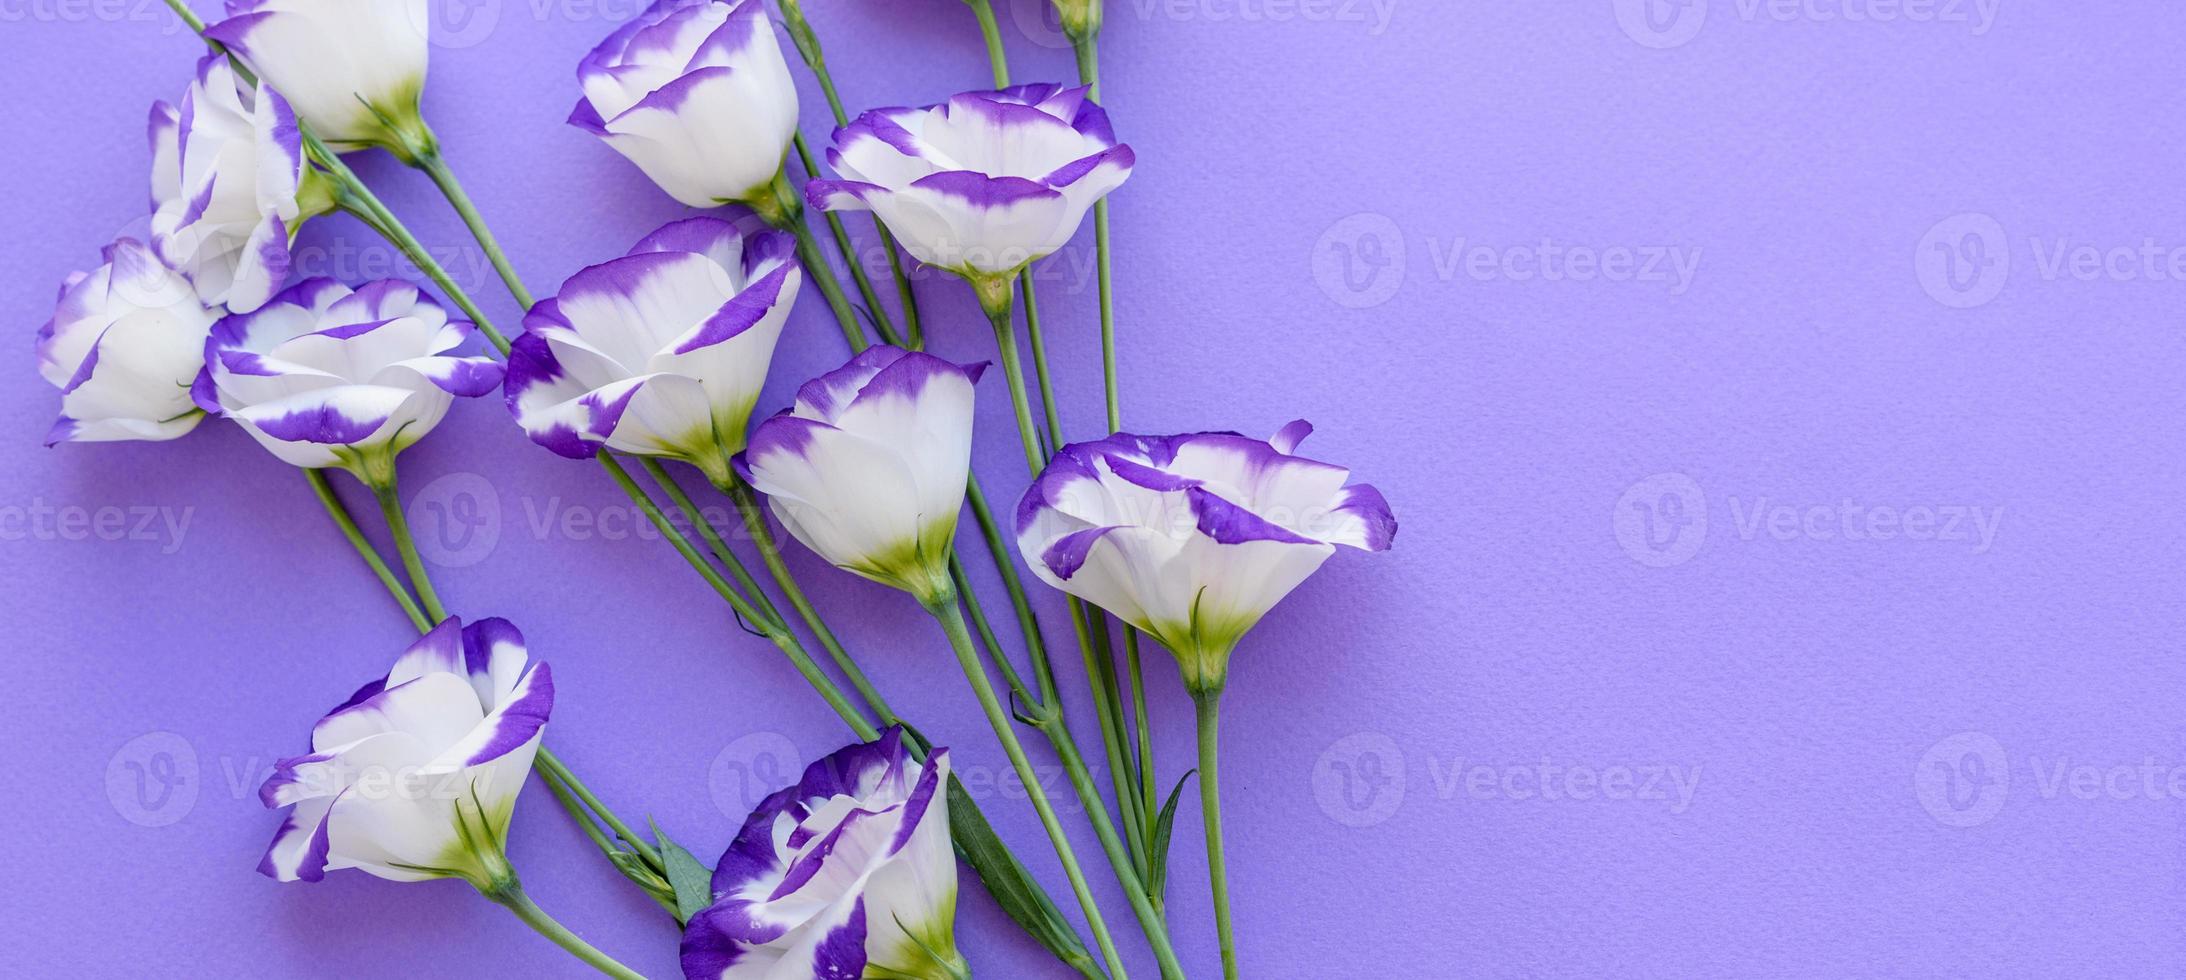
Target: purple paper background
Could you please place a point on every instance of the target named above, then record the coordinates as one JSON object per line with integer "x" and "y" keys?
{"x": 1945, "y": 755}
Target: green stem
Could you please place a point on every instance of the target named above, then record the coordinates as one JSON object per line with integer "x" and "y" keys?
{"x": 1149, "y": 792}
{"x": 1095, "y": 656}
{"x": 511, "y": 896}
{"x": 415, "y": 251}
{"x": 1134, "y": 888}
{"x": 436, "y": 167}
{"x": 1028, "y": 622}
{"x": 849, "y": 253}
{"x": 781, "y": 638}
{"x": 392, "y": 227}
{"x": 714, "y": 542}
{"x": 914, "y": 329}
{"x": 823, "y": 275}
{"x": 992, "y": 644}
{"x": 992, "y": 32}
{"x": 348, "y": 524}
{"x": 1099, "y": 673}
{"x": 1087, "y": 47}
{"x": 357, "y": 199}
{"x": 945, "y": 612}
{"x": 1210, "y": 804}
{"x": 659, "y": 890}
{"x": 1005, "y": 343}
{"x": 1100, "y": 679}
{"x": 1039, "y": 365}
{"x": 755, "y": 522}
{"x": 1108, "y": 316}
{"x": 553, "y": 764}
{"x": 808, "y": 45}
{"x": 399, "y": 527}
{"x": 1049, "y": 720}
{"x": 1089, "y": 63}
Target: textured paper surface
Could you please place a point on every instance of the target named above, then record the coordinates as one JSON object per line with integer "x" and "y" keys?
{"x": 1805, "y": 755}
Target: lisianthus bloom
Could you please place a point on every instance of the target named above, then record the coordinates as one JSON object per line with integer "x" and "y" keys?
{"x": 416, "y": 775}
{"x": 125, "y": 341}
{"x": 697, "y": 94}
{"x": 328, "y": 376}
{"x": 848, "y": 873}
{"x": 661, "y": 352}
{"x": 353, "y": 68}
{"x": 227, "y": 174}
{"x": 982, "y": 184}
{"x": 1193, "y": 538}
{"x": 868, "y": 467}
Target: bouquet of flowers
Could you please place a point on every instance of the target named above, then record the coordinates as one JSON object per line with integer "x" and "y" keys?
{"x": 654, "y": 360}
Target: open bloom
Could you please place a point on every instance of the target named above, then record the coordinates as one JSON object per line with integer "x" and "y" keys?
{"x": 416, "y": 775}
{"x": 227, "y": 169}
{"x": 848, "y": 873}
{"x": 868, "y": 467}
{"x": 125, "y": 341}
{"x": 696, "y": 93}
{"x": 661, "y": 352}
{"x": 984, "y": 183}
{"x": 326, "y": 376}
{"x": 353, "y": 68}
{"x": 1193, "y": 538}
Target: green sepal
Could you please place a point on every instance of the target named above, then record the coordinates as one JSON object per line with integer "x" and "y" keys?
{"x": 1157, "y": 861}
{"x": 634, "y": 867}
{"x": 692, "y": 881}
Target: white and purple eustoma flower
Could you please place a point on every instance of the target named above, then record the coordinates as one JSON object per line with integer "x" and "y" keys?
{"x": 328, "y": 376}
{"x": 982, "y": 184}
{"x": 661, "y": 352}
{"x": 416, "y": 775}
{"x": 353, "y": 68}
{"x": 868, "y": 467}
{"x": 848, "y": 873}
{"x": 230, "y": 187}
{"x": 697, "y": 94}
{"x": 1193, "y": 538}
{"x": 125, "y": 342}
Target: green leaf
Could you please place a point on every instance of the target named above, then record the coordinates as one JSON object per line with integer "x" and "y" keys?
{"x": 1009, "y": 883}
{"x": 692, "y": 881}
{"x": 1157, "y": 878}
